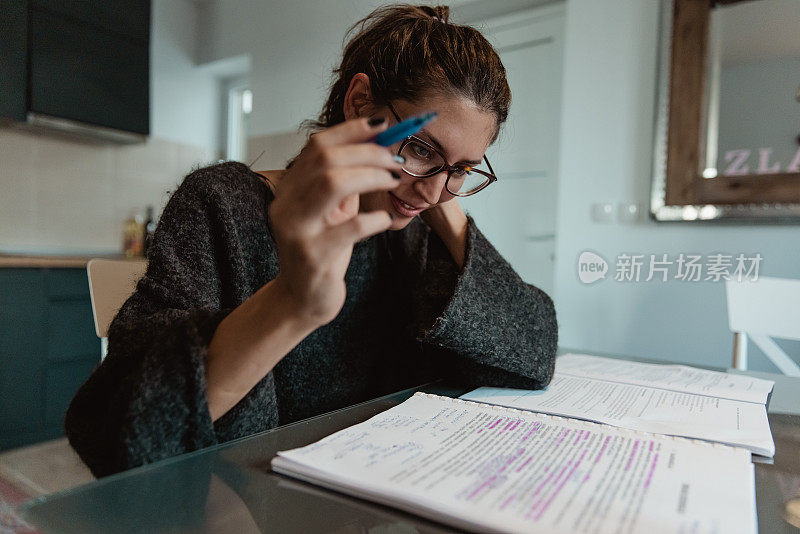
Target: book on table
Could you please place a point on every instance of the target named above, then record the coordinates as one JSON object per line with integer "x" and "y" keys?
{"x": 491, "y": 468}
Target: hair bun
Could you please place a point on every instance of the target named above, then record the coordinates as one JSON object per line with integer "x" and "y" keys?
{"x": 437, "y": 13}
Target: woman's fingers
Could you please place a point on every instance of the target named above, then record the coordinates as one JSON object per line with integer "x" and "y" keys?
{"x": 322, "y": 154}
{"x": 359, "y": 227}
{"x": 352, "y": 131}
{"x": 359, "y": 155}
{"x": 347, "y": 209}
{"x": 337, "y": 183}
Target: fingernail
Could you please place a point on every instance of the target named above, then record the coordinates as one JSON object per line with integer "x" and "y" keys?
{"x": 376, "y": 121}
{"x": 395, "y": 175}
{"x": 399, "y": 159}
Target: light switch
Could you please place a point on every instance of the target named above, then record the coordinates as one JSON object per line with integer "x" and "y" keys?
{"x": 602, "y": 213}
{"x": 628, "y": 212}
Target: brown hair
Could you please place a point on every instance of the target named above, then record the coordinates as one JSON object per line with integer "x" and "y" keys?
{"x": 409, "y": 51}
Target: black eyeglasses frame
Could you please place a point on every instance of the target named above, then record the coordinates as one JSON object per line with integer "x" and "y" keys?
{"x": 491, "y": 177}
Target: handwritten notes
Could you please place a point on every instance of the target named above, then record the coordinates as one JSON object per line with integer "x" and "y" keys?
{"x": 482, "y": 467}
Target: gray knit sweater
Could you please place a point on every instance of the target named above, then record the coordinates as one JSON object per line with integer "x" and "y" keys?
{"x": 410, "y": 316}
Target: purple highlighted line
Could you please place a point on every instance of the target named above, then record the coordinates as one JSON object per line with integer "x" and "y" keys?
{"x": 536, "y": 427}
{"x": 494, "y": 424}
{"x": 536, "y": 492}
{"x": 544, "y": 508}
{"x": 526, "y": 462}
{"x": 633, "y": 453}
{"x": 492, "y": 478}
{"x": 480, "y": 488}
{"x": 512, "y": 459}
{"x": 652, "y": 468}
{"x": 512, "y": 425}
{"x": 507, "y": 502}
{"x": 602, "y": 449}
{"x": 564, "y": 433}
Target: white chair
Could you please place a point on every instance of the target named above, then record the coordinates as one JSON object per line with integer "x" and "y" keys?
{"x": 111, "y": 282}
{"x": 762, "y": 309}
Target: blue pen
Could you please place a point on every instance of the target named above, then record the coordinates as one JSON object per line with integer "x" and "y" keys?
{"x": 403, "y": 129}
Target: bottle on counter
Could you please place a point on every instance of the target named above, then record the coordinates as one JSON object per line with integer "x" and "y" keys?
{"x": 133, "y": 235}
{"x": 149, "y": 229}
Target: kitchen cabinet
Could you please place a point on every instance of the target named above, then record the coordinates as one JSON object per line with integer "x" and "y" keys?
{"x": 48, "y": 348}
{"x": 86, "y": 62}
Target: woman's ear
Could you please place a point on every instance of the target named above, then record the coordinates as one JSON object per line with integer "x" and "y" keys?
{"x": 358, "y": 97}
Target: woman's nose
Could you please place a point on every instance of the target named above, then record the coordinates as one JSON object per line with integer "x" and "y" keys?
{"x": 431, "y": 188}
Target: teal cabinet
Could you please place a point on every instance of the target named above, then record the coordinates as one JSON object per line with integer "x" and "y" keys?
{"x": 48, "y": 348}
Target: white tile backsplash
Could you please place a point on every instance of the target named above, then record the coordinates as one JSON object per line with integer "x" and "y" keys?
{"x": 17, "y": 191}
{"x": 63, "y": 196}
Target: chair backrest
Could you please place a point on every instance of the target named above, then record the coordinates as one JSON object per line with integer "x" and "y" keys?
{"x": 759, "y": 310}
{"x": 111, "y": 282}
{"x": 769, "y": 306}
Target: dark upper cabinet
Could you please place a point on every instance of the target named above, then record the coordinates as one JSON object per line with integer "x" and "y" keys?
{"x": 13, "y": 59}
{"x": 123, "y": 17}
{"x": 84, "y": 60}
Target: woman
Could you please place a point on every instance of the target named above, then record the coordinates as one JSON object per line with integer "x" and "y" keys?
{"x": 272, "y": 297}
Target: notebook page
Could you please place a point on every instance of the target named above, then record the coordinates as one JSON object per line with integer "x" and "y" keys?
{"x": 672, "y": 377}
{"x": 488, "y": 468}
{"x": 643, "y": 408}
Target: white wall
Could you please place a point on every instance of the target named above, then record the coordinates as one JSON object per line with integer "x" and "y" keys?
{"x": 293, "y": 46}
{"x": 606, "y": 147}
{"x": 184, "y": 104}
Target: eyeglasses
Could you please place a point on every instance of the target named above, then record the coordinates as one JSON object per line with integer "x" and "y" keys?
{"x": 424, "y": 160}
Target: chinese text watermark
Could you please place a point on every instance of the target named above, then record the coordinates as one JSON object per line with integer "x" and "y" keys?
{"x": 663, "y": 267}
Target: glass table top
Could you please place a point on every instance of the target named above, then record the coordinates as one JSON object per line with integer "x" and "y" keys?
{"x": 229, "y": 487}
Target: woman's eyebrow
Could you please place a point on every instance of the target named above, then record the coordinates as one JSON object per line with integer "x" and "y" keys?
{"x": 438, "y": 145}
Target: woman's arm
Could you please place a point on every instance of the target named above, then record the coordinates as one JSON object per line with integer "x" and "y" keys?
{"x": 248, "y": 344}
{"x": 205, "y": 325}
{"x": 479, "y": 320}
{"x": 184, "y": 349}
{"x": 147, "y": 400}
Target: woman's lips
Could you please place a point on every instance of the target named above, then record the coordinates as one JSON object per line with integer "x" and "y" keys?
{"x": 404, "y": 209}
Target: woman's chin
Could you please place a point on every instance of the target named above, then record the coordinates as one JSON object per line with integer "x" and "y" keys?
{"x": 399, "y": 223}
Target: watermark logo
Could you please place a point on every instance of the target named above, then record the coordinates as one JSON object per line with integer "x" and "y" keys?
{"x": 662, "y": 267}
{"x": 591, "y": 267}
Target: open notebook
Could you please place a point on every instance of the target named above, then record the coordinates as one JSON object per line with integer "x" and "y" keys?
{"x": 488, "y": 468}
{"x": 665, "y": 399}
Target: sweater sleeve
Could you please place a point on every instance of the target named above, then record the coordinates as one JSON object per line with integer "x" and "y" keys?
{"x": 483, "y": 324}
{"x": 147, "y": 401}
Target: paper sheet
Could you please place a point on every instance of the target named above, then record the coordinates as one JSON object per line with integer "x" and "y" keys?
{"x": 488, "y": 468}
{"x": 651, "y": 398}
{"x": 672, "y": 377}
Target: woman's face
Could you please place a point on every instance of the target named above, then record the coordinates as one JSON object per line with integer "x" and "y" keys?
{"x": 464, "y": 132}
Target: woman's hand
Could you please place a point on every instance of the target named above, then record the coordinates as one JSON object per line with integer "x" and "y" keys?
{"x": 315, "y": 214}
{"x": 449, "y": 222}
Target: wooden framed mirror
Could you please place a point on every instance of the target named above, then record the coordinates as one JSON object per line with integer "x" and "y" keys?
{"x": 727, "y": 140}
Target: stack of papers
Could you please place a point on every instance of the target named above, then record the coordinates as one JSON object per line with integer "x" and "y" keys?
{"x": 665, "y": 399}
{"x": 492, "y": 469}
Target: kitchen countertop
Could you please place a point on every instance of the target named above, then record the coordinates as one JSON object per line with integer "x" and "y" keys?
{"x": 55, "y": 261}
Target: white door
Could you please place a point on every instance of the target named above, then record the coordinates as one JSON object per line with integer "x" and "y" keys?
{"x": 517, "y": 213}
